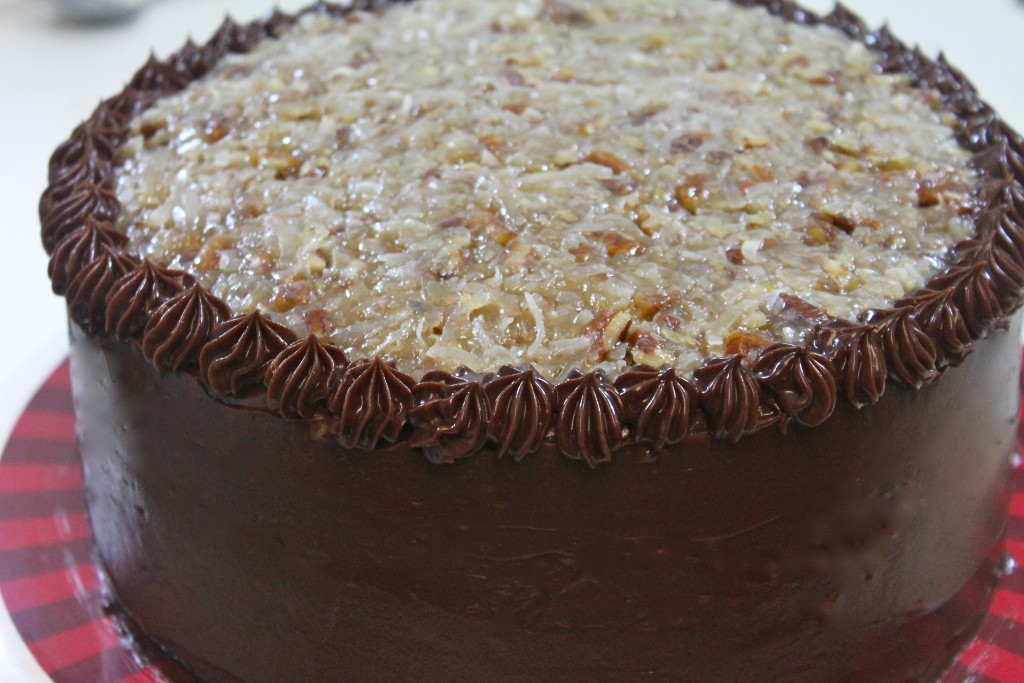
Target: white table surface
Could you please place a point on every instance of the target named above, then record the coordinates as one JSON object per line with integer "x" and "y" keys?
{"x": 51, "y": 77}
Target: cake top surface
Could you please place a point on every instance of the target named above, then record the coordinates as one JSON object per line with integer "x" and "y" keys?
{"x": 567, "y": 184}
{"x": 163, "y": 144}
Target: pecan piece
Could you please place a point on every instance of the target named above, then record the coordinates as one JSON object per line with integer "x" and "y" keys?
{"x": 605, "y": 158}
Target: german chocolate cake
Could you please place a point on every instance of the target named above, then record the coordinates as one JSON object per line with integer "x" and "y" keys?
{"x": 545, "y": 340}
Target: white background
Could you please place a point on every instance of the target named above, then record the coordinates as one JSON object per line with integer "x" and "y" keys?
{"x": 52, "y": 76}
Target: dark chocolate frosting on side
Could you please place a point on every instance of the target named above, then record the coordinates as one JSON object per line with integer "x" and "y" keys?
{"x": 911, "y": 343}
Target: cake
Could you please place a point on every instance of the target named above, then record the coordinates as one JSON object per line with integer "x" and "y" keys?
{"x": 547, "y": 340}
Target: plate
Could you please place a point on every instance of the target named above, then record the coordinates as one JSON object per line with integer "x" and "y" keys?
{"x": 51, "y": 586}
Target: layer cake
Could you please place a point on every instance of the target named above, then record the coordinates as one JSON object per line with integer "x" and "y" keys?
{"x": 545, "y": 341}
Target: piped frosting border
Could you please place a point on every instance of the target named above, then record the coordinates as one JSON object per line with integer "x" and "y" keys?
{"x": 368, "y": 404}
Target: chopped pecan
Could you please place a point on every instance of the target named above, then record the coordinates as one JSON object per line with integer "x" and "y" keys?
{"x": 735, "y": 255}
{"x": 283, "y": 165}
{"x": 605, "y": 158}
{"x": 818, "y": 233}
{"x": 209, "y": 256}
{"x": 841, "y": 221}
{"x": 817, "y": 144}
{"x": 638, "y": 117}
{"x": 606, "y": 329}
{"x": 687, "y": 142}
{"x": 794, "y": 305}
{"x": 618, "y": 186}
{"x": 692, "y": 192}
{"x": 453, "y": 222}
{"x": 494, "y": 144}
{"x": 515, "y": 107}
{"x": 928, "y": 194}
{"x": 288, "y": 295}
{"x": 742, "y": 343}
{"x": 514, "y": 77}
{"x": 651, "y": 303}
{"x": 583, "y": 251}
{"x": 318, "y": 322}
{"x": 492, "y": 226}
{"x": 562, "y": 12}
{"x": 760, "y": 174}
{"x": 616, "y": 243}
{"x": 215, "y": 127}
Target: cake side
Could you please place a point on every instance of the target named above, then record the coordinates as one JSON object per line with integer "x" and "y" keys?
{"x": 863, "y": 550}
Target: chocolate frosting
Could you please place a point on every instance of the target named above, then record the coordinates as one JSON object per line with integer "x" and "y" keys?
{"x": 87, "y": 293}
{"x": 158, "y": 76}
{"x": 62, "y": 212}
{"x": 910, "y": 354}
{"x": 858, "y": 359}
{"x": 842, "y": 19}
{"x": 372, "y": 403}
{"x": 236, "y": 358}
{"x": 79, "y": 249}
{"x": 1004, "y": 262}
{"x": 136, "y": 295}
{"x": 971, "y": 287}
{"x": 234, "y": 37}
{"x": 522, "y": 409}
{"x": 276, "y": 23}
{"x": 590, "y": 423}
{"x": 1013, "y": 196}
{"x": 802, "y": 382}
{"x": 193, "y": 61}
{"x": 451, "y": 416}
{"x": 658, "y": 404}
{"x": 940, "y": 319}
{"x": 911, "y": 343}
{"x": 75, "y": 163}
{"x": 180, "y": 327}
{"x": 730, "y": 397}
{"x": 300, "y": 380}
{"x": 255, "y": 551}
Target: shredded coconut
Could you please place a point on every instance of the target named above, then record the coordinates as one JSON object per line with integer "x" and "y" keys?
{"x": 565, "y": 183}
